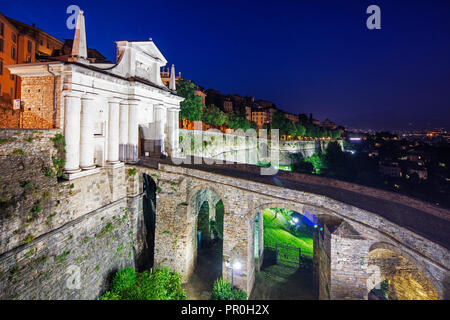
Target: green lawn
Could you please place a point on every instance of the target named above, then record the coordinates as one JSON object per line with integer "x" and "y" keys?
{"x": 277, "y": 230}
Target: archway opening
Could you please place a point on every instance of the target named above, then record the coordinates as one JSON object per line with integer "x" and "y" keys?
{"x": 283, "y": 252}
{"x": 207, "y": 210}
{"x": 394, "y": 277}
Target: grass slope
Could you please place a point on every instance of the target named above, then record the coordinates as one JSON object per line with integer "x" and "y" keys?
{"x": 277, "y": 230}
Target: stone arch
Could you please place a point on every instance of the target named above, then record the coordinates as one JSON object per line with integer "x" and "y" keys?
{"x": 408, "y": 278}
{"x": 196, "y": 198}
{"x": 209, "y": 187}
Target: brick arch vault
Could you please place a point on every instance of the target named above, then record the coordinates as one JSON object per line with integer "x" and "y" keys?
{"x": 409, "y": 278}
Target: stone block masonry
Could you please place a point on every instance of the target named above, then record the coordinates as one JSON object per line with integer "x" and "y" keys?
{"x": 71, "y": 262}
{"x": 94, "y": 225}
{"x": 51, "y": 230}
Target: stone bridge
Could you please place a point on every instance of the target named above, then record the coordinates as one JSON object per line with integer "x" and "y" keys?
{"x": 368, "y": 235}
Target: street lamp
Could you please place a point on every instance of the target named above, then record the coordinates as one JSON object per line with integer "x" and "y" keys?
{"x": 236, "y": 266}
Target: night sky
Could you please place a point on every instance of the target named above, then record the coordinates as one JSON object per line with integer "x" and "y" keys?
{"x": 306, "y": 56}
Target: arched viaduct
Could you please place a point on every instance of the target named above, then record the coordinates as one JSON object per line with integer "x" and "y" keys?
{"x": 363, "y": 227}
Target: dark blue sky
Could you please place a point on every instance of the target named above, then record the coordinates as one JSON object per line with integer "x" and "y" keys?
{"x": 306, "y": 56}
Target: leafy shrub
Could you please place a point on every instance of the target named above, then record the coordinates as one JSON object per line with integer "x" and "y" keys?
{"x": 132, "y": 172}
{"x": 239, "y": 294}
{"x": 49, "y": 173}
{"x": 58, "y": 164}
{"x": 110, "y": 296}
{"x": 59, "y": 142}
{"x": 123, "y": 279}
{"x": 223, "y": 291}
{"x": 157, "y": 285}
{"x": 19, "y": 152}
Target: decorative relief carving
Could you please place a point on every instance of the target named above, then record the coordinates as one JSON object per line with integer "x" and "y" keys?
{"x": 144, "y": 71}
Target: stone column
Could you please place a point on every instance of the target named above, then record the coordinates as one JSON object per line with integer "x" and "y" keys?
{"x": 133, "y": 131}
{"x": 160, "y": 123}
{"x": 72, "y": 107}
{"x": 170, "y": 131}
{"x": 123, "y": 130}
{"x": 113, "y": 131}
{"x": 87, "y": 134}
{"x": 175, "y": 132}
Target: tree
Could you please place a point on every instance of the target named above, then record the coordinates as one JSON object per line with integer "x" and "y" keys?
{"x": 300, "y": 165}
{"x": 303, "y": 118}
{"x": 318, "y": 162}
{"x": 339, "y": 164}
{"x": 312, "y": 131}
{"x": 191, "y": 107}
{"x": 300, "y": 130}
{"x": 280, "y": 122}
{"x": 213, "y": 115}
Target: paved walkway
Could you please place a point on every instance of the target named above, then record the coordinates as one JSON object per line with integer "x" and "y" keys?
{"x": 208, "y": 269}
{"x": 281, "y": 282}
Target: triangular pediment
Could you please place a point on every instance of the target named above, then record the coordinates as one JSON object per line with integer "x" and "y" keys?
{"x": 140, "y": 60}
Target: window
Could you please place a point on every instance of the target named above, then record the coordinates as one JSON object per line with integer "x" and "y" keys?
{"x": 1, "y": 67}
{"x": 41, "y": 42}
{"x": 11, "y": 77}
{"x": 14, "y": 37}
{"x": 28, "y": 58}
{"x": 2, "y": 45}
{"x": 48, "y": 45}
{"x": 13, "y": 53}
{"x": 2, "y": 29}
{"x": 30, "y": 46}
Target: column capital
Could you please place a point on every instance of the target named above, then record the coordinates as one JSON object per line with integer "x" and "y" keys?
{"x": 134, "y": 102}
{"x": 89, "y": 96}
{"x": 71, "y": 94}
{"x": 115, "y": 100}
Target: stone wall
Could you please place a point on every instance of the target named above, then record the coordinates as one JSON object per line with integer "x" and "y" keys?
{"x": 51, "y": 228}
{"x": 242, "y": 149}
{"x": 9, "y": 118}
{"x": 322, "y": 264}
{"x": 41, "y": 105}
{"x": 348, "y": 255}
{"x": 33, "y": 201}
{"x": 75, "y": 261}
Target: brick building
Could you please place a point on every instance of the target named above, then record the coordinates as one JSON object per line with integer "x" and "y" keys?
{"x": 21, "y": 44}
{"x": 291, "y": 117}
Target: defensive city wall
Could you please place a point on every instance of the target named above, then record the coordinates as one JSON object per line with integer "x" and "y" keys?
{"x": 237, "y": 147}
{"x": 63, "y": 239}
